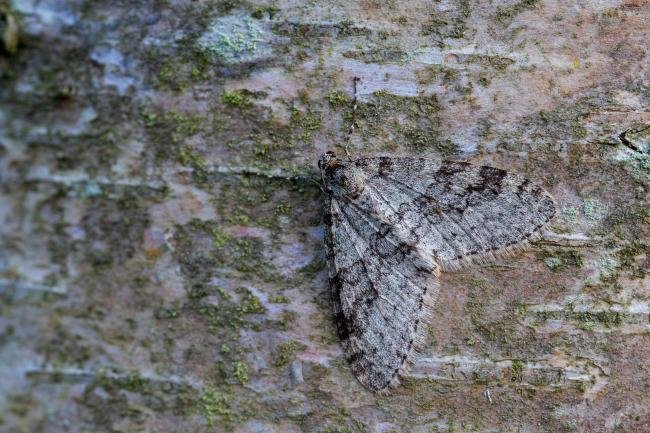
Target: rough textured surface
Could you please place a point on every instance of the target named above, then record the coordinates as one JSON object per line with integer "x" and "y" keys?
{"x": 154, "y": 279}
{"x": 391, "y": 224}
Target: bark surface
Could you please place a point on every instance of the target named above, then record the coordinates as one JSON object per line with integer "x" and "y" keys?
{"x": 162, "y": 265}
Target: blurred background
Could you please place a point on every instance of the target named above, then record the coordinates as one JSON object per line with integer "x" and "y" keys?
{"x": 161, "y": 248}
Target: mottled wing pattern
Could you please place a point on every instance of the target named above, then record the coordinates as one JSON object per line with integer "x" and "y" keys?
{"x": 381, "y": 290}
{"x": 455, "y": 210}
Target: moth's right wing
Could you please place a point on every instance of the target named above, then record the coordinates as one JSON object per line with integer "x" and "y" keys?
{"x": 457, "y": 211}
{"x": 381, "y": 291}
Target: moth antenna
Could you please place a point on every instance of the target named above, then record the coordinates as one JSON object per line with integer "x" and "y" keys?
{"x": 354, "y": 117}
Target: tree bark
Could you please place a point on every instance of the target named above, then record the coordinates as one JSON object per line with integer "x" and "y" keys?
{"x": 161, "y": 247}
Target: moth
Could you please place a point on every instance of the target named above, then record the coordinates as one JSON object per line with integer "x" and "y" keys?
{"x": 392, "y": 224}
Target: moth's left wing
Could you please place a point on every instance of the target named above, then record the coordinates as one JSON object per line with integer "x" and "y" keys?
{"x": 457, "y": 211}
{"x": 382, "y": 291}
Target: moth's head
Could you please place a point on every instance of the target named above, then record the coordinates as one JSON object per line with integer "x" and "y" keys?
{"x": 341, "y": 179}
{"x": 328, "y": 162}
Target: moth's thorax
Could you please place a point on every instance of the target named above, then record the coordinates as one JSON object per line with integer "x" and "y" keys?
{"x": 341, "y": 179}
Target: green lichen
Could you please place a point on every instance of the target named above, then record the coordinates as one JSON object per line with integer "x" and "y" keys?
{"x": 628, "y": 256}
{"x": 606, "y": 318}
{"x": 283, "y": 209}
{"x": 179, "y": 68}
{"x": 305, "y": 38}
{"x": 347, "y": 27}
{"x": 238, "y": 217}
{"x": 230, "y": 315}
{"x": 187, "y": 157}
{"x": 215, "y": 405}
{"x": 240, "y": 372}
{"x": 443, "y": 28}
{"x": 570, "y": 212}
{"x": 236, "y": 98}
{"x": 178, "y": 72}
{"x": 234, "y": 39}
{"x": 499, "y": 63}
{"x": 166, "y": 313}
{"x": 483, "y": 79}
{"x": 287, "y": 319}
{"x": 464, "y": 8}
{"x": 416, "y": 118}
{"x": 517, "y": 370}
{"x": 422, "y": 140}
{"x": 606, "y": 266}
{"x": 246, "y": 254}
{"x": 270, "y": 142}
{"x": 586, "y": 326}
{"x": 554, "y": 263}
{"x": 166, "y": 73}
{"x": 249, "y": 304}
{"x": 306, "y": 121}
{"x": 338, "y": 99}
{"x": 62, "y": 347}
{"x": 636, "y": 164}
{"x": 243, "y": 254}
{"x": 630, "y": 252}
{"x": 262, "y": 12}
{"x": 131, "y": 382}
{"x": 285, "y": 353}
{"x": 184, "y": 124}
{"x": 446, "y": 74}
{"x": 219, "y": 238}
{"x": 586, "y": 320}
{"x": 278, "y": 299}
{"x": 262, "y": 202}
{"x": 629, "y": 222}
{"x": 506, "y": 13}
{"x": 378, "y": 55}
{"x": 167, "y": 129}
{"x": 594, "y": 209}
{"x": 561, "y": 259}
